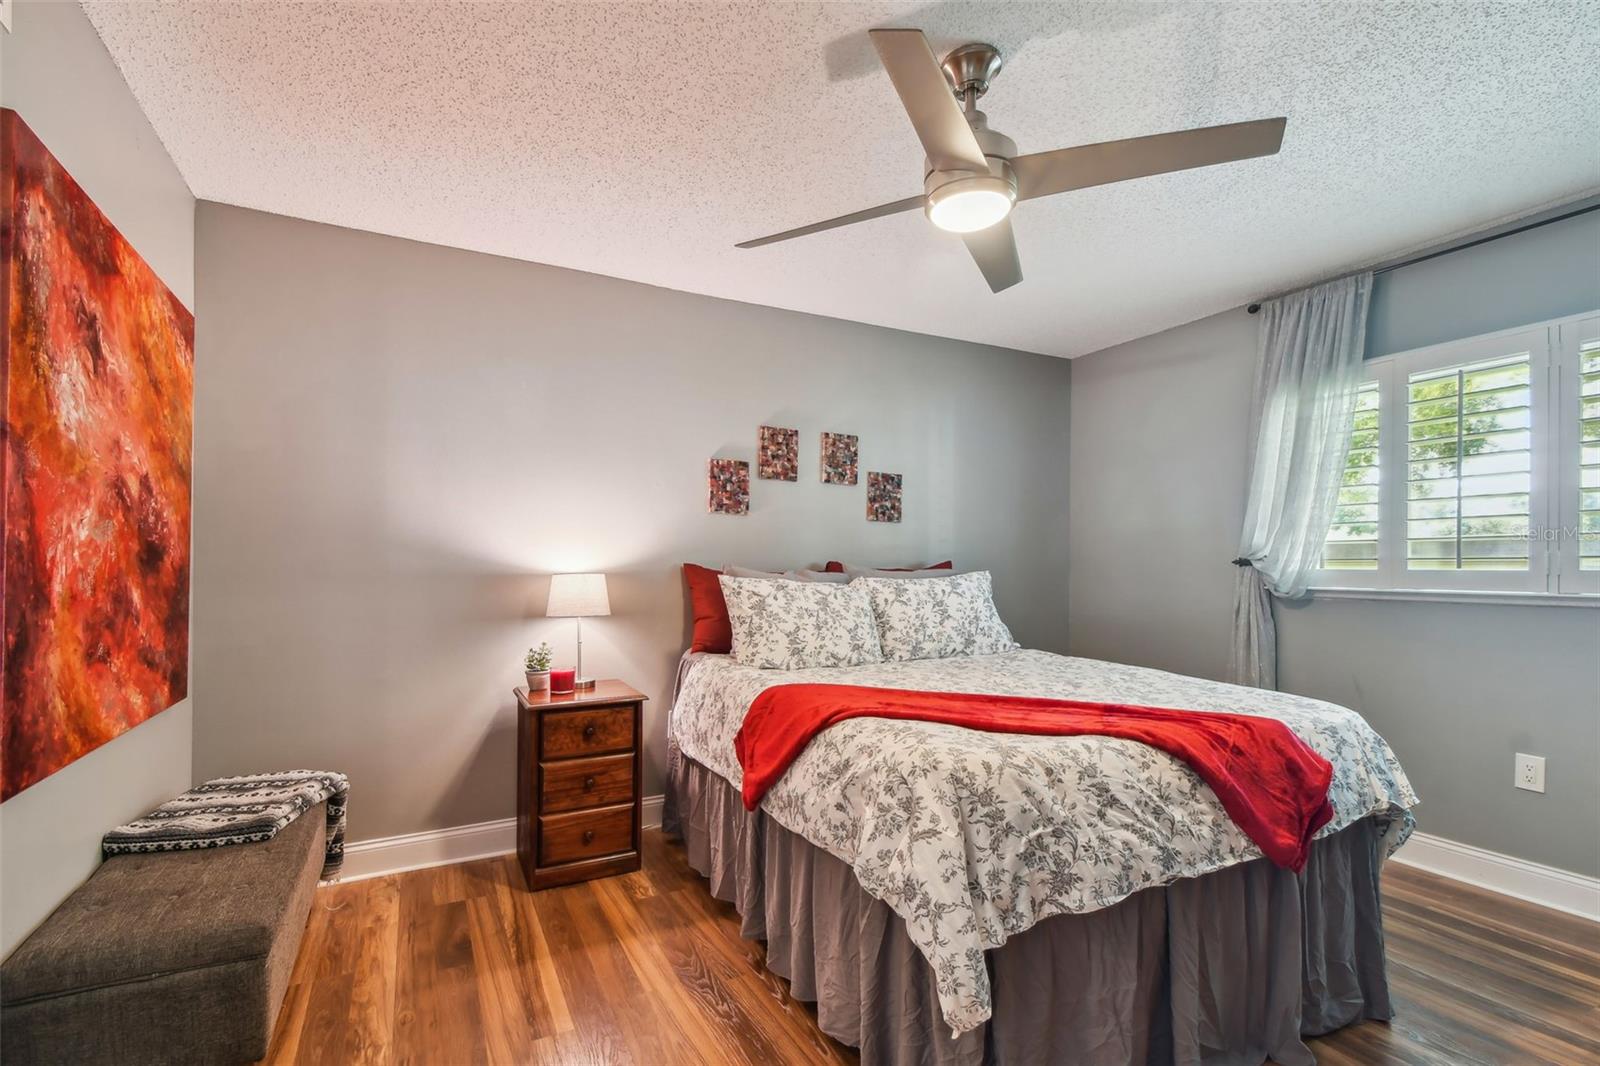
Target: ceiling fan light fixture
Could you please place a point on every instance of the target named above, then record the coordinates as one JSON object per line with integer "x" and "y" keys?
{"x": 971, "y": 204}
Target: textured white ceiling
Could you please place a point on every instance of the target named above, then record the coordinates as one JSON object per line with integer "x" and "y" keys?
{"x": 642, "y": 140}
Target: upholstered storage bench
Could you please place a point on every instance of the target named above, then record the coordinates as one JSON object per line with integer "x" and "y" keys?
{"x": 172, "y": 957}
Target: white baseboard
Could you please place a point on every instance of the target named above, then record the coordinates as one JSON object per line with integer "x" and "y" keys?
{"x": 1547, "y": 886}
{"x": 435, "y": 847}
{"x": 441, "y": 847}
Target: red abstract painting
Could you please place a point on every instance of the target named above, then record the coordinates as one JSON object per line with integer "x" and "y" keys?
{"x": 98, "y": 387}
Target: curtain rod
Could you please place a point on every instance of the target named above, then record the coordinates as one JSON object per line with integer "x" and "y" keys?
{"x": 1424, "y": 257}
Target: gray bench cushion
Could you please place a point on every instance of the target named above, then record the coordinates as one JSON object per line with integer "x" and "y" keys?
{"x": 167, "y": 957}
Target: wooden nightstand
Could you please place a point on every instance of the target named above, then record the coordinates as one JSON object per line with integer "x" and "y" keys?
{"x": 579, "y": 773}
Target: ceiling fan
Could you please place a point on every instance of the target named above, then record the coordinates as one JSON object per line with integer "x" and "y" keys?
{"x": 973, "y": 175}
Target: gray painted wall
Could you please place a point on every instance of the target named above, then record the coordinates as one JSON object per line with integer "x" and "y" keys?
{"x": 399, "y": 441}
{"x": 1544, "y": 273}
{"x": 1157, "y": 495}
{"x": 1157, "y": 499}
{"x": 57, "y": 76}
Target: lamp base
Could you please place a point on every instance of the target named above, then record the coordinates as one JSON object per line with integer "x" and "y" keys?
{"x": 583, "y": 684}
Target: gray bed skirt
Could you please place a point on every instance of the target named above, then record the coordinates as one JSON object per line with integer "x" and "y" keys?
{"x": 1232, "y": 967}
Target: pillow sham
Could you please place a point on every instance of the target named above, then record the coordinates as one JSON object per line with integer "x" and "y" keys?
{"x": 745, "y": 571}
{"x": 710, "y": 611}
{"x": 937, "y": 618}
{"x": 788, "y": 575}
{"x": 792, "y": 625}
{"x": 824, "y": 576}
{"x": 834, "y": 566}
{"x": 853, "y": 572}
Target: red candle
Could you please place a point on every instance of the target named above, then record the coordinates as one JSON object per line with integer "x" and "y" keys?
{"x": 561, "y": 681}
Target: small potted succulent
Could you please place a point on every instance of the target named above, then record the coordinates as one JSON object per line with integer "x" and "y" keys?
{"x": 537, "y": 665}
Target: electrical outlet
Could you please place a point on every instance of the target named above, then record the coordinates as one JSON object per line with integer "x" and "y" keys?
{"x": 1530, "y": 772}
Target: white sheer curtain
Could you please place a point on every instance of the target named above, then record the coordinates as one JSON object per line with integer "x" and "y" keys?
{"x": 1308, "y": 370}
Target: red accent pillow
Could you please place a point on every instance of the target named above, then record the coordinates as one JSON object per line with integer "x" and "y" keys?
{"x": 838, "y": 568}
{"x": 712, "y": 631}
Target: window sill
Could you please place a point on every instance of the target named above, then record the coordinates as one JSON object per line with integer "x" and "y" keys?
{"x": 1518, "y": 599}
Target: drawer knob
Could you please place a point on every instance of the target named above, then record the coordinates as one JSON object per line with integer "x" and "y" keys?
{"x": 588, "y": 836}
{"x": 588, "y": 784}
{"x": 588, "y": 731}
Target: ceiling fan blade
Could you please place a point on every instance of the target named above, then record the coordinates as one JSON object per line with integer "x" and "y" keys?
{"x": 995, "y": 251}
{"x": 833, "y": 223}
{"x": 929, "y": 100}
{"x": 1047, "y": 173}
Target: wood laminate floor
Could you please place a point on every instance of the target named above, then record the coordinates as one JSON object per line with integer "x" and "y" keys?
{"x": 459, "y": 964}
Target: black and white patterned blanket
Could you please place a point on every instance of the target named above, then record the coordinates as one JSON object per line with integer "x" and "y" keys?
{"x": 238, "y": 810}
{"x": 973, "y": 837}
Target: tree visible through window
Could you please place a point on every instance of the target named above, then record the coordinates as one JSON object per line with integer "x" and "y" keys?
{"x": 1469, "y": 469}
{"x": 1352, "y": 542}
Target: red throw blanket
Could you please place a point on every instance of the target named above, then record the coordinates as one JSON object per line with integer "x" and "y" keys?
{"x": 1273, "y": 786}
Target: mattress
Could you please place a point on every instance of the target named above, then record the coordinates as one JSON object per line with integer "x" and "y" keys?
{"x": 973, "y": 837}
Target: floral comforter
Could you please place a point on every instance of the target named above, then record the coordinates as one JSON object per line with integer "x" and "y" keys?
{"x": 972, "y": 837}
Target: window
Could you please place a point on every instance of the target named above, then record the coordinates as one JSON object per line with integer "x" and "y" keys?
{"x": 1589, "y": 457}
{"x": 1469, "y": 466}
{"x": 1577, "y": 531}
{"x": 1352, "y": 542}
{"x": 1475, "y": 466}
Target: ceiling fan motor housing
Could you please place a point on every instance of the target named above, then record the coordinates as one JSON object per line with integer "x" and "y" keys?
{"x": 998, "y": 150}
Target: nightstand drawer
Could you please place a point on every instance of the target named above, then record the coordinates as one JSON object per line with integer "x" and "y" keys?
{"x": 577, "y": 784}
{"x": 585, "y": 834}
{"x": 572, "y": 733}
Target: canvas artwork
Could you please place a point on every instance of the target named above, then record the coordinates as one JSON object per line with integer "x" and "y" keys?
{"x": 839, "y": 452}
{"x": 729, "y": 483}
{"x": 98, "y": 392}
{"x": 883, "y": 497}
{"x": 779, "y": 454}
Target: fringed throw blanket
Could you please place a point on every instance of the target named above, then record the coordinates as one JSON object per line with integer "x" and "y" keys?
{"x": 238, "y": 810}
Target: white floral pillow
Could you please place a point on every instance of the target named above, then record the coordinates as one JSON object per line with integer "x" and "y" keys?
{"x": 791, "y": 625}
{"x": 936, "y": 618}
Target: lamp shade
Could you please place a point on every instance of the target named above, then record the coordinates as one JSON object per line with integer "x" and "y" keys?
{"x": 577, "y": 596}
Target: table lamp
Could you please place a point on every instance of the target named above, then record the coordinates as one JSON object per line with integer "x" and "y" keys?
{"x": 578, "y": 596}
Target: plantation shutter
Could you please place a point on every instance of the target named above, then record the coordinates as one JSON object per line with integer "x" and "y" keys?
{"x": 1469, "y": 466}
{"x": 1352, "y": 542}
{"x": 1589, "y": 456}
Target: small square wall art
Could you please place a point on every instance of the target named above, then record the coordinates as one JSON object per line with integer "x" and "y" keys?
{"x": 729, "y": 485}
{"x": 839, "y": 451}
{"x": 883, "y": 497}
{"x": 779, "y": 454}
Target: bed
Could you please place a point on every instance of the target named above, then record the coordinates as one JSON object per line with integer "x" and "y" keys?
{"x": 952, "y": 896}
